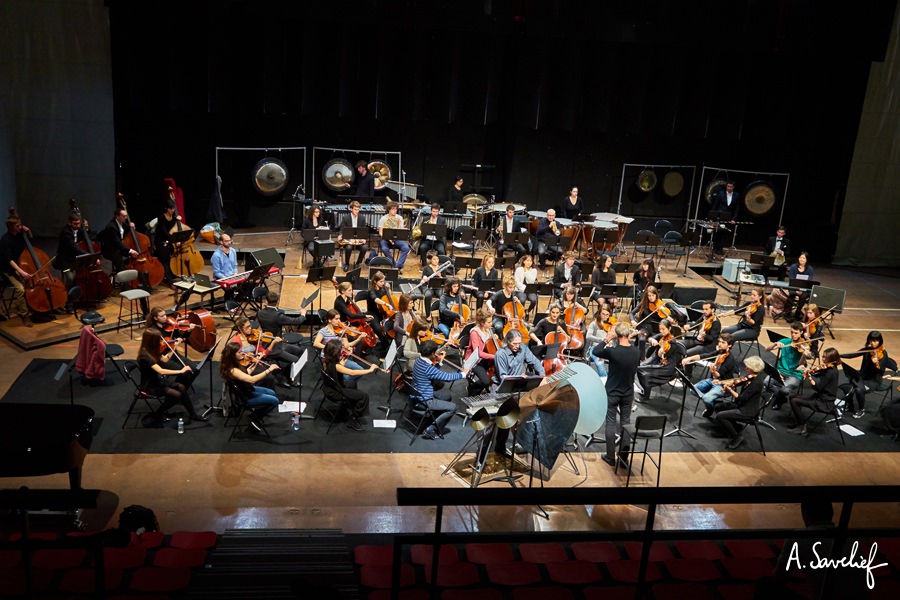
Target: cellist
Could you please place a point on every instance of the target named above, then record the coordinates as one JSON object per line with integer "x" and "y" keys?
{"x": 12, "y": 244}
{"x": 496, "y": 303}
{"x": 480, "y": 338}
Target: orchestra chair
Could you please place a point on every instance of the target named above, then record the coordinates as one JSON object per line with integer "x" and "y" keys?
{"x": 385, "y": 261}
{"x": 645, "y": 242}
{"x": 464, "y": 235}
{"x": 256, "y": 296}
{"x": 891, "y": 365}
{"x": 134, "y": 297}
{"x": 418, "y": 416}
{"x": 646, "y": 428}
{"x": 93, "y": 318}
{"x": 747, "y": 345}
{"x": 835, "y": 413}
{"x": 7, "y": 293}
{"x": 233, "y": 310}
{"x": 672, "y": 246}
{"x": 755, "y": 420}
{"x": 662, "y": 227}
{"x": 449, "y": 271}
{"x": 435, "y": 310}
{"x": 139, "y": 394}
{"x": 334, "y": 410}
{"x": 239, "y": 409}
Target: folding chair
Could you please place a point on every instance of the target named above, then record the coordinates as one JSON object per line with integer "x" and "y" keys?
{"x": 646, "y": 428}
{"x": 645, "y": 242}
{"x": 139, "y": 393}
{"x": 238, "y": 409}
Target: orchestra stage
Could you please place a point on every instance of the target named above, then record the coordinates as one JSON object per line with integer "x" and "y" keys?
{"x": 196, "y": 482}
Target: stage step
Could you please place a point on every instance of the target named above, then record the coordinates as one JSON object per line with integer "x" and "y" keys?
{"x": 276, "y": 563}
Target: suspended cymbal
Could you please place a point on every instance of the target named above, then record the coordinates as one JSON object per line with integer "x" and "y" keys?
{"x": 336, "y": 173}
{"x": 381, "y": 171}
{"x": 474, "y": 199}
{"x": 270, "y": 176}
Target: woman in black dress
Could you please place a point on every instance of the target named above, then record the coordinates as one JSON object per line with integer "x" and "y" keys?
{"x": 340, "y": 389}
{"x": 155, "y": 379}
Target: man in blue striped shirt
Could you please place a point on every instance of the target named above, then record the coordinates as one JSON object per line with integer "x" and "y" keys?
{"x": 428, "y": 383}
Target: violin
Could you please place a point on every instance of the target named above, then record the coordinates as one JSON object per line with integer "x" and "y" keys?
{"x": 342, "y": 330}
{"x": 730, "y": 383}
{"x": 660, "y": 309}
{"x": 371, "y": 338}
{"x": 665, "y": 344}
{"x": 810, "y": 372}
{"x": 347, "y": 353}
{"x": 94, "y": 283}
{"x": 877, "y": 356}
{"x": 252, "y": 360}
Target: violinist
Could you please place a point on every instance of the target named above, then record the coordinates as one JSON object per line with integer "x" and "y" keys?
{"x": 428, "y": 383}
{"x": 724, "y": 366}
{"x": 751, "y": 321}
{"x": 273, "y": 320}
{"x": 665, "y": 354}
{"x": 525, "y": 274}
{"x": 452, "y": 305}
{"x": 604, "y": 274}
{"x": 794, "y": 350}
{"x": 741, "y": 405}
{"x": 601, "y": 329}
{"x": 375, "y": 298}
{"x": 812, "y": 326}
{"x": 162, "y": 239}
{"x": 546, "y": 228}
{"x": 111, "y": 240}
{"x": 339, "y": 383}
{"x": 12, "y": 244}
{"x": 649, "y": 312}
{"x": 154, "y": 379}
{"x": 67, "y": 251}
{"x": 233, "y": 368}
{"x": 485, "y": 271}
{"x": 169, "y": 328}
{"x": 417, "y": 334}
{"x": 479, "y": 337}
{"x": 567, "y": 274}
{"x": 333, "y": 330}
{"x": 549, "y": 324}
{"x": 824, "y": 382}
{"x": 644, "y": 276}
{"x": 224, "y": 263}
{"x": 499, "y": 300}
{"x": 705, "y": 334}
{"x": 403, "y": 319}
{"x": 875, "y": 361}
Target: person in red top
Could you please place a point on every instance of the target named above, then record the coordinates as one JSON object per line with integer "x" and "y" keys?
{"x": 478, "y": 338}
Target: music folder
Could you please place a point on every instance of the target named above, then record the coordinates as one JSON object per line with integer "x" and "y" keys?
{"x": 519, "y": 384}
{"x": 395, "y": 235}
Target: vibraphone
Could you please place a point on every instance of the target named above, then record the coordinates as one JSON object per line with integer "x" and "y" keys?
{"x": 370, "y": 213}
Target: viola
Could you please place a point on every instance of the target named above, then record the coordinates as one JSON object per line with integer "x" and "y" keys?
{"x": 186, "y": 260}
{"x": 660, "y": 309}
{"x": 877, "y": 356}
{"x": 94, "y": 283}
{"x": 730, "y": 383}
{"x": 43, "y": 291}
{"x": 151, "y": 272}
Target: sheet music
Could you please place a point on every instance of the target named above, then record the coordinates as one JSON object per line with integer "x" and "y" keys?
{"x": 298, "y": 366}
{"x": 390, "y": 357}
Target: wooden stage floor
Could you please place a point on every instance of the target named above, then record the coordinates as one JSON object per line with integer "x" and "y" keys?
{"x": 356, "y": 492}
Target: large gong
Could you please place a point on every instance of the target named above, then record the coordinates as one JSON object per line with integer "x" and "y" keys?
{"x": 381, "y": 172}
{"x": 646, "y": 181}
{"x": 336, "y": 173}
{"x": 270, "y": 176}
{"x": 713, "y": 187}
{"x": 673, "y": 183}
{"x": 759, "y": 197}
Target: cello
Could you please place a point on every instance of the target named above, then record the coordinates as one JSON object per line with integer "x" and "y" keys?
{"x": 573, "y": 317}
{"x": 552, "y": 365}
{"x": 43, "y": 291}
{"x": 514, "y": 313}
{"x": 150, "y": 271}
{"x": 94, "y": 283}
{"x": 186, "y": 260}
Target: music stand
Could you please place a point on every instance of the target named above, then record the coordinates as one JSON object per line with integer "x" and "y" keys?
{"x": 481, "y": 238}
{"x": 319, "y": 275}
{"x": 466, "y": 238}
{"x": 196, "y": 373}
{"x": 395, "y": 235}
{"x": 466, "y": 262}
{"x": 456, "y": 208}
{"x": 686, "y": 385}
{"x": 688, "y": 243}
{"x": 773, "y": 373}
{"x": 516, "y": 239}
{"x": 518, "y": 385}
{"x": 506, "y": 262}
{"x": 438, "y": 230}
{"x": 490, "y": 285}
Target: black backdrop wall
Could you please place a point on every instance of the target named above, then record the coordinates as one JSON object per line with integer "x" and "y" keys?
{"x": 551, "y": 93}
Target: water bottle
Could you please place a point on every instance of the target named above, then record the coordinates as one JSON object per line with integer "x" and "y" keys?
{"x": 295, "y": 422}
{"x": 180, "y": 425}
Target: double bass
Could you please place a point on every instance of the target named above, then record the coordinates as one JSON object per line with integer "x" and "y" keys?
{"x": 150, "y": 271}
{"x": 43, "y": 291}
{"x": 94, "y": 283}
{"x": 186, "y": 260}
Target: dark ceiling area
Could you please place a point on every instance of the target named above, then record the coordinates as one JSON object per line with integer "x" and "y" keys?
{"x": 547, "y": 93}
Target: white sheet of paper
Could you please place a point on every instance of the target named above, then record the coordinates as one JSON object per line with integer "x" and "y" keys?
{"x": 851, "y": 430}
{"x": 292, "y": 406}
{"x": 298, "y": 366}
{"x": 390, "y": 357}
{"x": 385, "y": 423}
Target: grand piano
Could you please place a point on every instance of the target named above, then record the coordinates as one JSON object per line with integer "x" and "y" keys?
{"x": 42, "y": 439}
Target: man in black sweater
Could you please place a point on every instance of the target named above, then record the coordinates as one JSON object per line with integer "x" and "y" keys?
{"x": 624, "y": 359}
{"x": 271, "y": 320}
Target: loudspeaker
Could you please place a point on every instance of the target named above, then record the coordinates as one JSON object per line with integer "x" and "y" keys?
{"x": 826, "y": 297}
{"x": 266, "y": 256}
{"x": 686, "y": 296}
